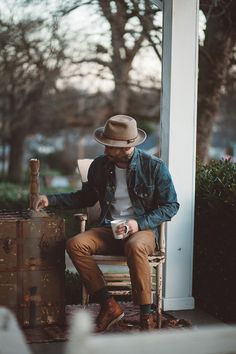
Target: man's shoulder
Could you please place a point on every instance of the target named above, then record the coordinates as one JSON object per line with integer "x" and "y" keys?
{"x": 145, "y": 156}
{"x": 99, "y": 161}
{"x": 100, "y": 157}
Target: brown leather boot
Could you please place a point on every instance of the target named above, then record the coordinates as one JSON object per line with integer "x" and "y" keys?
{"x": 109, "y": 314}
{"x": 148, "y": 321}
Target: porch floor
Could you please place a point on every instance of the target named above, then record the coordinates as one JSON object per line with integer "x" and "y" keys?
{"x": 197, "y": 317}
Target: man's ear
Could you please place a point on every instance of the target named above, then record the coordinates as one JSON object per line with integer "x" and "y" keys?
{"x": 129, "y": 149}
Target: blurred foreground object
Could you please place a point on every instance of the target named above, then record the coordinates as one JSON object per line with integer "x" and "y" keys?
{"x": 214, "y": 340}
{"x": 11, "y": 338}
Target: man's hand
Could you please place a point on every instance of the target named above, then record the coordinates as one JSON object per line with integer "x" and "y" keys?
{"x": 133, "y": 226}
{"x": 40, "y": 202}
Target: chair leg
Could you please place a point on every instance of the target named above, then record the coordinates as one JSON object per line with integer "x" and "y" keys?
{"x": 85, "y": 296}
{"x": 159, "y": 294}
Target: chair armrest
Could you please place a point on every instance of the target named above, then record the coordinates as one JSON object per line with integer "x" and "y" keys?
{"x": 162, "y": 244}
{"x": 83, "y": 219}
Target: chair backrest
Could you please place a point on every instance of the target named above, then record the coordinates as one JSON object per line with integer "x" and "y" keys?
{"x": 94, "y": 211}
{"x": 83, "y": 166}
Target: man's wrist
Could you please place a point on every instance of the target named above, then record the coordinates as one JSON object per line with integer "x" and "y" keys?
{"x": 52, "y": 200}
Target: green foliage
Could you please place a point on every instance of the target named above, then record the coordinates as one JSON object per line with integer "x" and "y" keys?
{"x": 216, "y": 189}
{"x": 13, "y": 197}
{"x": 215, "y": 239}
{"x": 73, "y": 288}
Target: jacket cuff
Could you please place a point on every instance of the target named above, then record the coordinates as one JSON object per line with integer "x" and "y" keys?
{"x": 52, "y": 200}
{"x": 142, "y": 223}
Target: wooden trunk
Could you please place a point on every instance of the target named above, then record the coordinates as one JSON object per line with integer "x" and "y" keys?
{"x": 32, "y": 268}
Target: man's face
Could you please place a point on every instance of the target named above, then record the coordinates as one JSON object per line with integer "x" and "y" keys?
{"x": 117, "y": 154}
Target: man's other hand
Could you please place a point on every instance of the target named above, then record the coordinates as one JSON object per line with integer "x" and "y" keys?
{"x": 40, "y": 202}
{"x": 133, "y": 226}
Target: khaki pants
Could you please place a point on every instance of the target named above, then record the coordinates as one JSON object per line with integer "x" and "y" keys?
{"x": 101, "y": 241}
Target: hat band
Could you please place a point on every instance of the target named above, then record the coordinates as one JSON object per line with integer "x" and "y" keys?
{"x": 129, "y": 141}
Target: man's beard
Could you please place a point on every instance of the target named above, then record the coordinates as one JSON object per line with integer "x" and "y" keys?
{"x": 125, "y": 158}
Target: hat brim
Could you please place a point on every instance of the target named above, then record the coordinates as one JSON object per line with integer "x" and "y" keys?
{"x": 100, "y": 138}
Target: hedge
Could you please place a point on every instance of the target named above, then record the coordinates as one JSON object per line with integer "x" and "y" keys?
{"x": 215, "y": 239}
{"x": 13, "y": 197}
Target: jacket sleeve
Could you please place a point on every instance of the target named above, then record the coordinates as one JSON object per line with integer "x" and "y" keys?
{"x": 165, "y": 203}
{"x": 83, "y": 198}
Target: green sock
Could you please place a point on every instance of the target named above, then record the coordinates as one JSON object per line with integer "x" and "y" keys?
{"x": 101, "y": 295}
{"x": 145, "y": 309}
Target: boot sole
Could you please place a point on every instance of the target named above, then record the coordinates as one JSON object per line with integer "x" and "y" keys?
{"x": 117, "y": 319}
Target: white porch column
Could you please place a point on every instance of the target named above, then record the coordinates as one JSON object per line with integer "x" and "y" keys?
{"x": 178, "y": 138}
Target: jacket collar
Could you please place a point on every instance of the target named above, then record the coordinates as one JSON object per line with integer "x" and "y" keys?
{"x": 133, "y": 161}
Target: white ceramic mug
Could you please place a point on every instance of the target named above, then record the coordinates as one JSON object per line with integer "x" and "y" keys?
{"x": 114, "y": 224}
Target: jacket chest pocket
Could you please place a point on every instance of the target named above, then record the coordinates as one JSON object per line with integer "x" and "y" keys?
{"x": 109, "y": 194}
{"x": 145, "y": 194}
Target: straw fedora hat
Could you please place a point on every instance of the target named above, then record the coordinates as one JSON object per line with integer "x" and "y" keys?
{"x": 120, "y": 131}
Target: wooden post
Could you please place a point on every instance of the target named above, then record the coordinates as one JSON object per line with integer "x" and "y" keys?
{"x": 34, "y": 165}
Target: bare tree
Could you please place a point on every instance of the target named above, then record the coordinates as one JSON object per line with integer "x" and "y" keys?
{"x": 118, "y": 55}
{"x": 214, "y": 64}
{"x": 132, "y": 25}
{"x": 31, "y": 57}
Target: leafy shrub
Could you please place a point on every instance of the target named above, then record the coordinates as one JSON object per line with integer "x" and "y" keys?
{"x": 215, "y": 239}
{"x": 13, "y": 197}
{"x": 216, "y": 189}
{"x": 72, "y": 288}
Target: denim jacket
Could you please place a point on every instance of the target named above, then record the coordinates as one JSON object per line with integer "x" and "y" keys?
{"x": 149, "y": 183}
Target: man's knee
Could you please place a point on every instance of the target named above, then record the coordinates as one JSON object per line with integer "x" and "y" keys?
{"x": 133, "y": 247}
{"x": 70, "y": 244}
{"x": 73, "y": 244}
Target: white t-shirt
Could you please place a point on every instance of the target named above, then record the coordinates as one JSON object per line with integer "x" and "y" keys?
{"x": 121, "y": 207}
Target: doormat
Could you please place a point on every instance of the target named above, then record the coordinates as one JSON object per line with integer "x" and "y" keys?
{"x": 130, "y": 323}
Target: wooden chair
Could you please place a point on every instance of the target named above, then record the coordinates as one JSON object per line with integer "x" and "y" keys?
{"x": 119, "y": 283}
